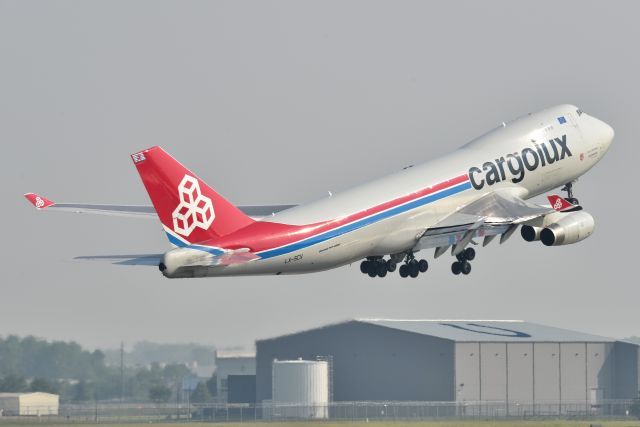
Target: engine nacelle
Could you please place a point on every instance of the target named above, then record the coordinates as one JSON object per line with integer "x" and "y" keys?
{"x": 532, "y": 229}
{"x": 530, "y": 233}
{"x": 571, "y": 228}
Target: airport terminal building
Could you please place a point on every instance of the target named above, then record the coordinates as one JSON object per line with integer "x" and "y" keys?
{"x": 516, "y": 362}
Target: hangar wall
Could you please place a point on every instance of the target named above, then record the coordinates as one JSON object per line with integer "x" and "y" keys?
{"x": 546, "y": 376}
{"x": 493, "y": 376}
{"x": 369, "y": 362}
{"x": 467, "y": 369}
{"x": 520, "y": 374}
{"x": 530, "y": 372}
{"x": 572, "y": 371}
{"x": 627, "y": 378}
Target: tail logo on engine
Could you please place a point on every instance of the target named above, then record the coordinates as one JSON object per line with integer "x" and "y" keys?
{"x": 558, "y": 204}
{"x": 194, "y": 210}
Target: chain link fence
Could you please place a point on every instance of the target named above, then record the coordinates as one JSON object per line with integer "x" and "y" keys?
{"x": 337, "y": 411}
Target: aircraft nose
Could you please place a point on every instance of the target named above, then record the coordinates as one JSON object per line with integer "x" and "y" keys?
{"x": 609, "y": 134}
{"x": 604, "y": 134}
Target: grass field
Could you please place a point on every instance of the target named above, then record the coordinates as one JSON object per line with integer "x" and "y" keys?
{"x": 451, "y": 423}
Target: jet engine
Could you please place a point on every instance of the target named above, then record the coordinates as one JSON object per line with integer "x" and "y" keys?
{"x": 530, "y": 233}
{"x": 571, "y": 228}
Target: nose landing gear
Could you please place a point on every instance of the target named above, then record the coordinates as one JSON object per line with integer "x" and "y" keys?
{"x": 568, "y": 187}
{"x": 462, "y": 265}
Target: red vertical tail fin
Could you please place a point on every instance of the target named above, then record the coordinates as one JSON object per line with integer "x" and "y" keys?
{"x": 187, "y": 207}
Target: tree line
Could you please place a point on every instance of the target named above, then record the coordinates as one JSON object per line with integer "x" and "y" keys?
{"x": 78, "y": 375}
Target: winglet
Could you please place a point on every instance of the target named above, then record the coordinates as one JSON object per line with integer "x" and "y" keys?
{"x": 39, "y": 202}
{"x": 561, "y": 204}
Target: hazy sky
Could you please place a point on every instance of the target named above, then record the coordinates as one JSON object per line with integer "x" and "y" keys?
{"x": 278, "y": 102}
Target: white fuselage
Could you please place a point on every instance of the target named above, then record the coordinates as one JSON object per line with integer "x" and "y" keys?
{"x": 513, "y": 156}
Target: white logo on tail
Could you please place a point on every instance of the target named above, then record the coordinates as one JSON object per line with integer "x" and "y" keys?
{"x": 194, "y": 210}
{"x": 558, "y": 204}
{"x": 138, "y": 157}
{"x": 39, "y": 202}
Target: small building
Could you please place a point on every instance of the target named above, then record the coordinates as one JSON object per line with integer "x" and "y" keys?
{"x": 236, "y": 376}
{"x": 12, "y": 404}
{"x": 514, "y": 362}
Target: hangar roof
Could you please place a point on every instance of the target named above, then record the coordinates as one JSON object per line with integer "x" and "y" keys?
{"x": 487, "y": 330}
{"x": 235, "y": 354}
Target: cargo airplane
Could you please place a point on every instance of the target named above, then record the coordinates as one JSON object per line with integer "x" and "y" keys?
{"x": 466, "y": 198}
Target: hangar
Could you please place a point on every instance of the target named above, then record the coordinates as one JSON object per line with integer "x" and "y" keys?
{"x": 515, "y": 362}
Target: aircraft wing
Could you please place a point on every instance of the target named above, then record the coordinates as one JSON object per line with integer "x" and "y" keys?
{"x": 138, "y": 211}
{"x": 496, "y": 213}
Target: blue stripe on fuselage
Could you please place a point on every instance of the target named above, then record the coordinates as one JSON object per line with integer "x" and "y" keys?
{"x": 270, "y": 253}
{"x": 175, "y": 241}
{"x": 179, "y": 243}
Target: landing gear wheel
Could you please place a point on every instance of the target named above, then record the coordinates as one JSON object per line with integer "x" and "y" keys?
{"x": 456, "y": 268}
{"x": 414, "y": 270}
{"x": 404, "y": 270}
{"x": 465, "y": 268}
{"x": 573, "y": 201}
{"x": 391, "y": 266}
{"x": 364, "y": 267}
{"x": 423, "y": 265}
{"x": 382, "y": 269}
{"x": 372, "y": 269}
{"x": 469, "y": 254}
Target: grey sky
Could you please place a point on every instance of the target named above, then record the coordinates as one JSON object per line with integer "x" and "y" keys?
{"x": 277, "y": 102}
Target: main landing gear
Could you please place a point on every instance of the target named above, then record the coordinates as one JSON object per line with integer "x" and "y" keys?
{"x": 462, "y": 265}
{"x": 568, "y": 187}
{"x": 379, "y": 267}
{"x": 412, "y": 267}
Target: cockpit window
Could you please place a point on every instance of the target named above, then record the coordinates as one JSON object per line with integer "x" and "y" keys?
{"x": 579, "y": 111}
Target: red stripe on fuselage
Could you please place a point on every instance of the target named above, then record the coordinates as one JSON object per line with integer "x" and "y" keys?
{"x": 263, "y": 235}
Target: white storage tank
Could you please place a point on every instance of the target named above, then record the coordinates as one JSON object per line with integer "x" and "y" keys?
{"x": 300, "y": 389}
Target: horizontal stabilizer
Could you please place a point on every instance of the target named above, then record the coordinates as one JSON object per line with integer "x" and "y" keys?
{"x": 144, "y": 259}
